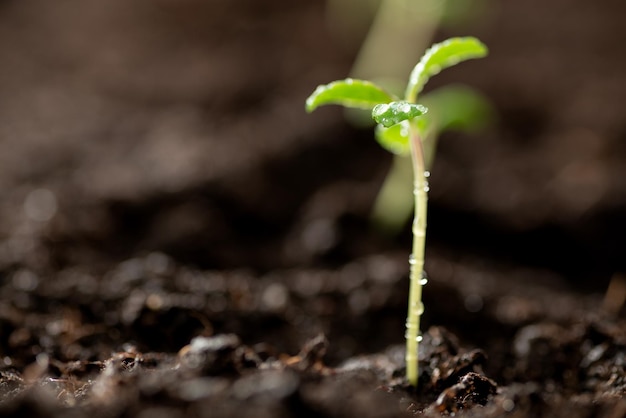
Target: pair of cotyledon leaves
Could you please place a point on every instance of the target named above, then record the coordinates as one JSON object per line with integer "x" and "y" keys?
{"x": 392, "y": 115}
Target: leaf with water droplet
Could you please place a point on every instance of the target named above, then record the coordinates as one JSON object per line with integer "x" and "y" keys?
{"x": 353, "y": 93}
{"x": 441, "y": 56}
{"x": 389, "y": 114}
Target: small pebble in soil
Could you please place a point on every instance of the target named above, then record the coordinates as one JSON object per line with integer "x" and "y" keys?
{"x": 471, "y": 389}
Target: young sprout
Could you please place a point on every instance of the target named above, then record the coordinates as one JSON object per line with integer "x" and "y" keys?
{"x": 402, "y": 127}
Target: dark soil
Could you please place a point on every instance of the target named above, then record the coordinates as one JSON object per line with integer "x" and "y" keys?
{"x": 178, "y": 238}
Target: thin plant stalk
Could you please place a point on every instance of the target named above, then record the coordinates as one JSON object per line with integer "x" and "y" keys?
{"x": 416, "y": 259}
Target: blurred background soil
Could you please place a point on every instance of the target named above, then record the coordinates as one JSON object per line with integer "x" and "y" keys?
{"x": 175, "y": 130}
{"x": 178, "y": 126}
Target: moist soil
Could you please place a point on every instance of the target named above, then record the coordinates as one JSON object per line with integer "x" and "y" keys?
{"x": 177, "y": 238}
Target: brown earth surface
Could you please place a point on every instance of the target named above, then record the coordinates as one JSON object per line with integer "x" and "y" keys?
{"x": 178, "y": 238}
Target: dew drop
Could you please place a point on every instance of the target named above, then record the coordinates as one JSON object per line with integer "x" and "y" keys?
{"x": 412, "y": 260}
{"x": 424, "y": 278}
{"x": 418, "y": 307}
{"x": 406, "y": 108}
{"x": 380, "y": 109}
{"x": 426, "y": 173}
{"x": 409, "y": 335}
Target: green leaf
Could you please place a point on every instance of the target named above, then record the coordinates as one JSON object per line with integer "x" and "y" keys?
{"x": 457, "y": 108}
{"x": 358, "y": 94}
{"x": 394, "y": 139}
{"x": 441, "y": 56}
{"x": 388, "y": 114}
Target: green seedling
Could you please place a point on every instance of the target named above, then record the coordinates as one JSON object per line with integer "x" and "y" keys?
{"x": 402, "y": 127}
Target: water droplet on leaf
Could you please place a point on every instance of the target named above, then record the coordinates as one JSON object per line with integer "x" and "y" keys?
{"x": 381, "y": 109}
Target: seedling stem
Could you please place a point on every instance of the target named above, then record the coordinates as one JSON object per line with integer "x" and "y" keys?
{"x": 417, "y": 276}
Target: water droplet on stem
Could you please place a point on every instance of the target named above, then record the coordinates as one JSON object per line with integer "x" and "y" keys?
{"x": 418, "y": 307}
